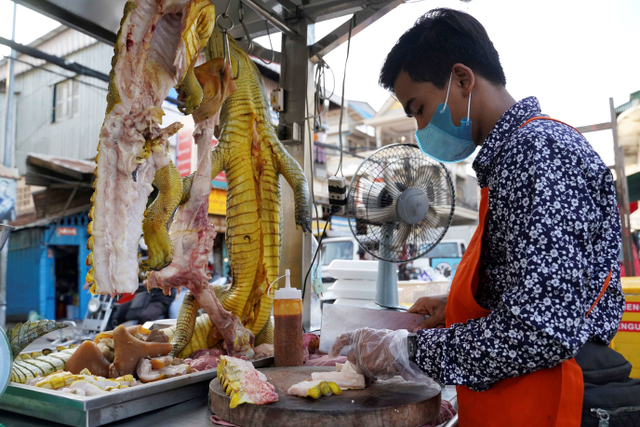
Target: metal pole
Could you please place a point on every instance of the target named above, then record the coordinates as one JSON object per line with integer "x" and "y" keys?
{"x": 623, "y": 196}
{"x": 8, "y": 154}
{"x": 273, "y": 19}
{"x": 8, "y": 124}
{"x": 295, "y": 79}
{"x": 3, "y": 283}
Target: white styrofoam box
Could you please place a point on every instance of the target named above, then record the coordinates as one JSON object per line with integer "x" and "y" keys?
{"x": 411, "y": 290}
{"x": 354, "y": 270}
{"x": 357, "y": 289}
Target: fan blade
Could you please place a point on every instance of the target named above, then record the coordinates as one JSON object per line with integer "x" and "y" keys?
{"x": 381, "y": 215}
{"x": 373, "y": 194}
{"x": 435, "y": 219}
{"x": 401, "y": 235}
{"x": 413, "y": 176}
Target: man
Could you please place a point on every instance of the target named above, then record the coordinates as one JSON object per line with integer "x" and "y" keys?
{"x": 541, "y": 275}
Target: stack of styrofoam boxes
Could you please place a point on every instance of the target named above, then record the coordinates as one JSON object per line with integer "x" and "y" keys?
{"x": 355, "y": 283}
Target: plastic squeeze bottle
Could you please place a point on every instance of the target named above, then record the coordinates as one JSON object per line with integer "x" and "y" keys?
{"x": 287, "y": 314}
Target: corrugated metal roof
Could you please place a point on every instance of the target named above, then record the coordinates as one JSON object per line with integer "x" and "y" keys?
{"x": 61, "y": 42}
{"x": 30, "y": 221}
{"x": 75, "y": 165}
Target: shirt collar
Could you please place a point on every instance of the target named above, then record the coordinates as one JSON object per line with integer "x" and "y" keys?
{"x": 511, "y": 120}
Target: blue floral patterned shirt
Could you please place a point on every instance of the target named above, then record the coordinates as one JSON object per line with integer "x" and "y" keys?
{"x": 551, "y": 238}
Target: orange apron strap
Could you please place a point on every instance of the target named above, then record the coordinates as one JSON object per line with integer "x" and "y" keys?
{"x": 604, "y": 288}
{"x": 547, "y": 118}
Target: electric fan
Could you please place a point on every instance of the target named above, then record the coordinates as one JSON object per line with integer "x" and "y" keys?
{"x": 400, "y": 205}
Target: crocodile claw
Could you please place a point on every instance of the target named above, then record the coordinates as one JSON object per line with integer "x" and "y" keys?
{"x": 190, "y": 93}
{"x": 303, "y": 220}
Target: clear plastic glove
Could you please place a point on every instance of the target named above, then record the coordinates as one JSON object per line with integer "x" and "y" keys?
{"x": 380, "y": 354}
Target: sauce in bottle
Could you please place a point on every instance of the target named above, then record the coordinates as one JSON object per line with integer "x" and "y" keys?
{"x": 287, "y": 314}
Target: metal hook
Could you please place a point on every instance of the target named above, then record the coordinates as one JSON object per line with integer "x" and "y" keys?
{"x": 226, "y": 52}
{"x": 244, "y": 27}
{"x": 270, "y": 45}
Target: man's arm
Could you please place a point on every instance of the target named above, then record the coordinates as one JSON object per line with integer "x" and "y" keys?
{"x": 553, "y": 229}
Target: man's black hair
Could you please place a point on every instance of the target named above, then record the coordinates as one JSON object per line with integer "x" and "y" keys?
{"x": 437, "y": 41}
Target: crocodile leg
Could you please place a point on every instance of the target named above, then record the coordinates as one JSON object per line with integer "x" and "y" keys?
{"x": 294, "y": 175}
{"x": 154, "y": 225}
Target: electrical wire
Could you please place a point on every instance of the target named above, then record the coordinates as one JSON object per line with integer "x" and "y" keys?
{"x": 313, "y": 260}
{"x": 319, "y": 85}
{"x": 59, "y": 74}
{"x": 319, "y": 91}
{"x": 344, "y": 79}
{"x": 313, "y": 196}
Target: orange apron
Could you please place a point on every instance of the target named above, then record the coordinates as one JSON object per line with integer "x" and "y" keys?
{"x": 547, "y": 397}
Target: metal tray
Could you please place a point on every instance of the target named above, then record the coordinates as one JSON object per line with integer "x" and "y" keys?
{"x": 81, "y": 411}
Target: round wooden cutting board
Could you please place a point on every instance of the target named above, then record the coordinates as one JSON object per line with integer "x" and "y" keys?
{"x": 383, "y": 404}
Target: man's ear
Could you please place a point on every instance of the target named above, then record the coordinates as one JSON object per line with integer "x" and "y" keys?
{"x": 464, "y": 79}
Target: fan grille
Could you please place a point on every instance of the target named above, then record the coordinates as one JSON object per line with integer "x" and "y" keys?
{"x": 373, "y": 199}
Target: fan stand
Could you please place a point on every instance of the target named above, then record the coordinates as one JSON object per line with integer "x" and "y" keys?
{"x": 387, "y": 283}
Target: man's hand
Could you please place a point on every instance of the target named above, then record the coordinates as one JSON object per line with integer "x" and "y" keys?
{"x": 380, "y": 353}
{"x": 370, "y": 351}
{"x": 434, "y": 308}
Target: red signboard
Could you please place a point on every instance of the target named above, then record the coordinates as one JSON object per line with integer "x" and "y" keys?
{"x": 183, "y": 152}
{"x": 632, "y": 307}
{"x": 626, "y": 326}
{"x": 67, "y": 231}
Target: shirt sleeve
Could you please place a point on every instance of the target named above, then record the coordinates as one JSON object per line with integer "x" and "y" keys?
{"x": 546, "y": 268}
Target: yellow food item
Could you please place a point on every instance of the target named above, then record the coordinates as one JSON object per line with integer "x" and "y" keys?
{"x": 243, "y": 383}
{"x": 57, "y": 380}
{"x": 314, "y": 389}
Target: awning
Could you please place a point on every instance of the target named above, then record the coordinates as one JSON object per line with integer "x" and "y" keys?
{"x": 68, "y": 187}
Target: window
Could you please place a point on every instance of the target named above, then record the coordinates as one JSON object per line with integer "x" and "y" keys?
{"x": 24, "y": 199}
{"x": 65, "y": 100}
{"x": 443, "y": 250}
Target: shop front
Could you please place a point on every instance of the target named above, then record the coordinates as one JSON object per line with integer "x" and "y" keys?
{"x": 46, "y": 270}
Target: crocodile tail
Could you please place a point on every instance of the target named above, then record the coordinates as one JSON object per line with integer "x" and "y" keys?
{"x": 202, "y": 337}
{"x": 266, "y": 334}
{"x": 24, "y": 334}
{"x": 185, "y": 323}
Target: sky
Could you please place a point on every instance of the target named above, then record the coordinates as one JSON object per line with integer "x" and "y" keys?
{"x": 573, "y": 55}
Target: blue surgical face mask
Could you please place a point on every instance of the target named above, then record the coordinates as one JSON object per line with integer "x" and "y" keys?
{"x": 443, "y": 140}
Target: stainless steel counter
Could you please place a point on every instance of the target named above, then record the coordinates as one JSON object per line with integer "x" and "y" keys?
{"x": 192, "y": 413}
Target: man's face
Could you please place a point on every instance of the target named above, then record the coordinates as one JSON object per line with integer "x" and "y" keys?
{"x": 420, "y": 99}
